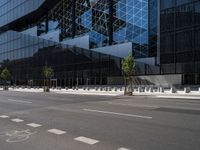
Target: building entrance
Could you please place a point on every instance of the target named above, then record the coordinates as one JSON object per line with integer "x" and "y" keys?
{"x": 53, "y": 83}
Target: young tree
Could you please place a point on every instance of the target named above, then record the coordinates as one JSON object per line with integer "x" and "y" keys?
{"x": 47, "y": 73}
{"x": 5, "y": 75}
{"x": 128, "y": 68}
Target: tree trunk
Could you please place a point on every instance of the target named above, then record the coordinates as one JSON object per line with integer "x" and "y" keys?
{"x": 128, "y": 91}
{"x": 46, "y": 85}
{"x": 125, "y": 90}
{"x": 5, "y": 88}
{"x": 131, "y": 84}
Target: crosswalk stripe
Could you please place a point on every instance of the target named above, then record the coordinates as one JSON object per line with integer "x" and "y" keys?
{"x": 4, "y": 116}
{"x": 56, "y": 131}
{"x": 86, "y": 140}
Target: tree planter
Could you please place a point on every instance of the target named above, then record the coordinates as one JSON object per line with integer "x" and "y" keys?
{"x": 128, "y": 68}
{"x": 5, "y": 88}
{"x": 127, "y": 93}
{"x": 46, "y": 89}
{"x": 47, "y": 73}
{"x": 5, "y": 75}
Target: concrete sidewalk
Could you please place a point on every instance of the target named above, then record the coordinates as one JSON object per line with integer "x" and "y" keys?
{"x": 166, "y": 94}
{"x": 90, "y": 92}
{"x": 70, "y": 91}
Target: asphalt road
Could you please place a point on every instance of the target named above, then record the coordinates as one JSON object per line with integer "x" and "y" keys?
{"x": 46, "y": 121}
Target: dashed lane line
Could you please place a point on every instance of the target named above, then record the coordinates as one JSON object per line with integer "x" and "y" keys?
{"x": 34, "y": 125}
{"x": 120, "y": 114}
{"x": 19, "y": 101}
{"x": 122, "y": 148}
{"x": 4, "y": 116}
{"x": 86, "y": 140}
{"x": 134, "y": 105}
{"x": 60, "y": 132}
{"x": 56, "y": 131}
{"x": 17, "y": 120}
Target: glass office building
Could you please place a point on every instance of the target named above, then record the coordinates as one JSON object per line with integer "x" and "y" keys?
{"x": 180, "y": 36}
{"x": 107, "y": 22}
{"x": 33, "y": 32}
{"x": 85, "y": 40}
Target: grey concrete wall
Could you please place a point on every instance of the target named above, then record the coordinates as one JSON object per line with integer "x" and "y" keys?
{"x": 120, "y": 50}
{"x": 159, "y": 80}
{"x": 82, "y": 42}
{"x": 31, "y": 31}
{"x": 115, "y": 80}
{"x": 151, "y": 80}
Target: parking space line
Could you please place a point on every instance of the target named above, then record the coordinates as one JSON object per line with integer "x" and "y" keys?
{"x": 4, "y": 116}
{"x": 86, "y": 140}
{"x": 120, "y": 114}
{"x": 17, "y": 120}
{"x": 56, "y": 131}
{"x": 34, "y": 125}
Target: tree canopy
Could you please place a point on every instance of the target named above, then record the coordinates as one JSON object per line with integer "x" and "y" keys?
{"x": 47, "y": 72}
{"x": 5, "y": 74}
{"x": 128, "y": 65}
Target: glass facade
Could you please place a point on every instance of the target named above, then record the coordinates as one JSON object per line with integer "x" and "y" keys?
{"x": 107, "y": 22}
{"x": 180, "y": 28}
{"x": 10, "y": 10}
{"x": 26, "y": 55}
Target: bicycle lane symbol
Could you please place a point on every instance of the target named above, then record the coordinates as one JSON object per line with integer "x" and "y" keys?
{"x": 15, "y": 136}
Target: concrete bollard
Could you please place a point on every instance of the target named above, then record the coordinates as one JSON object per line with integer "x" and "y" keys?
{"x": 121, "y": 89}
{"x": 106, "y": 88}
{"x": 66, "y": 88}
{"x": 109, "y": 89}
{"x": 172, "y": 90}
{"x": 139, "y": 89}
{"x": 101, "y": 89}
{"x": 146, "y": 89}
{"x": 116, "y": 89}
{"x": 96, "y": 88}
{"x": 187, "y": 90}
{"x": 161, "y": 89}
{"x": 150, "y": 90}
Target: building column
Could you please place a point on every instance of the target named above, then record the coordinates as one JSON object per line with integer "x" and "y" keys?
{"x": 74, "y": 18}
{"x": 111, "y": 12}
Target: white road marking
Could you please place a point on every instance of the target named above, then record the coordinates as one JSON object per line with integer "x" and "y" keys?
{"x": 14, "y": 136}
{"x": 56, "y": 131}
{"x": 120, "y": 114}
{"x": 17, "y": 120}
{"x": 19, "y": 101}
{"x": 122, "y": 148}
{"x": 4, "y": 116}
{"x": 34, "y": 125}
{"x": 134, "y": 105}
{"x": 179, "y": 97}
{"x": 86, "y": 140}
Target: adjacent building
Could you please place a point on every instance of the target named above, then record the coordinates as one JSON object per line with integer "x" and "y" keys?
{"x": 179, "y": 39}
{"x": 85, "y": 40}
